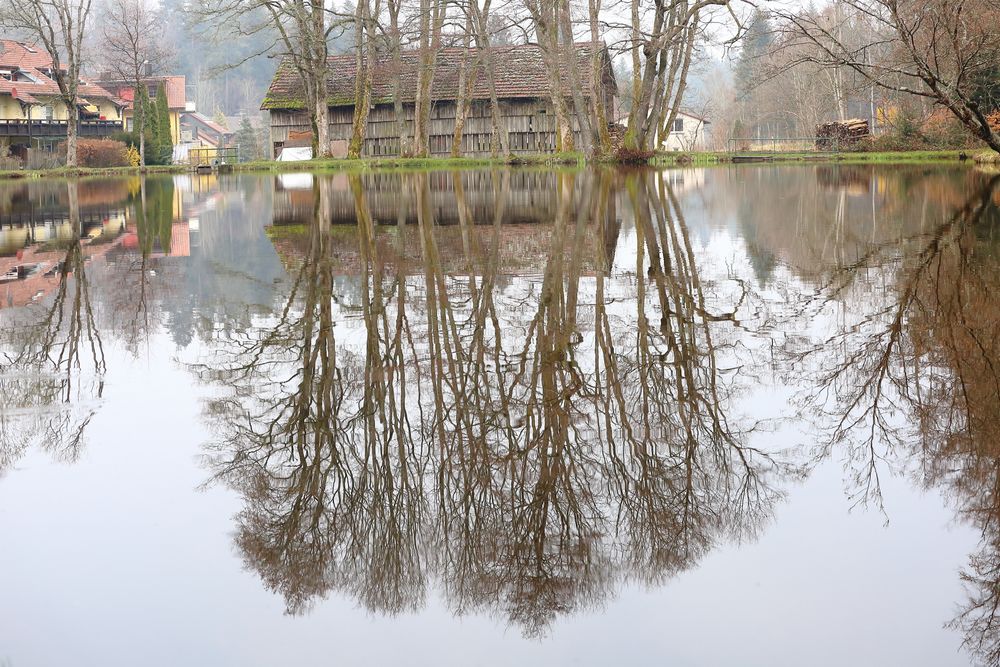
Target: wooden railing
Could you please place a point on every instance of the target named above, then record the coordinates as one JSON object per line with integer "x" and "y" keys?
{"x": 57, "y": 128}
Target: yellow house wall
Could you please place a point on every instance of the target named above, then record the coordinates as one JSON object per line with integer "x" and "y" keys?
{"x": 59, "y": 111}
{"x": 175, "y": 125}
{"x": 107, "y": 109}
{"x": 9, "y": 108}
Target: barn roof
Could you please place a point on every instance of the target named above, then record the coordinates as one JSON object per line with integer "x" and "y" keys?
{"x": 519, "y": 72}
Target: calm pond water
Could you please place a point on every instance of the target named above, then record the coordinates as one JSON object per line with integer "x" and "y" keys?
{"x": 729, "y": 416}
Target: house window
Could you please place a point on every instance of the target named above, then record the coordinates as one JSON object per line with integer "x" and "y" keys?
{"x": 678, "y": 125}
{"x": 47, "y": 111}
{"x": 128, "y": 124}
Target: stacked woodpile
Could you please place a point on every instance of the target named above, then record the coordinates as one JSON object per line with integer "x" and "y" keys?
{"x": 839, "y": 134}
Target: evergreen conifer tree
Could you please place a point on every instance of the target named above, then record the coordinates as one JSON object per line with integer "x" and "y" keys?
{"x": 164, "y": 140}
{"x": 246, "y": 139}
{"x": 144, "y": 107}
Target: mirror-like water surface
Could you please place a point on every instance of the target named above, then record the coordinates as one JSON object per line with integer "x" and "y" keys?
{"x": 697, "y": 417}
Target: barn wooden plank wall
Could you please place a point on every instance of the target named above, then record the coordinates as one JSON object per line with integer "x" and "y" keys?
{"x": 531, "y": 127}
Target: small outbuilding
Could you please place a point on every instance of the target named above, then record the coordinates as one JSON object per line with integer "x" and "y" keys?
{"x": 687, "y": 133}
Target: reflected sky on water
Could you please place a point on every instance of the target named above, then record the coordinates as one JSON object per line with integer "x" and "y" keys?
{"x": 703, "y": 416}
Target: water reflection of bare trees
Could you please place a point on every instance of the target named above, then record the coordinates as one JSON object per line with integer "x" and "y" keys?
{"x": 53, "y": 359}
{"x": 913, "y": 382}
{"x": 526, "y": 444}
{"x": 51, "y": 376}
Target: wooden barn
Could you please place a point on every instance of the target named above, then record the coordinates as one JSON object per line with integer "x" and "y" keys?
{"x": 522, "y": 88}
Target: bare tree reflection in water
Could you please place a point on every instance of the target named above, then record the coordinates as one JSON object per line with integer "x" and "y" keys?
{"x": 529, "y": 443}
{"x": 53, "y": 367}
{"x": 915, "y": 383}
{"x": 52, "y": 371}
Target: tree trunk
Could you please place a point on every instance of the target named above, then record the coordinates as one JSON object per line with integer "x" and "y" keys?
{"x": 571, "y": 66}
{"x": 597, "y": 79}
{"x": 71, "y": 131}
{"x": 670, "y": 103}
{"x": 321, "y": 124}
{"x": 499, "y": 139}
{"x": 546, "y": 27}
{"x": 397, "y": 66}
{"x": 424, "y": 73}
{"x": 430, "y": 43}
{"x": 464, "y": 76}
{"x": 365, "y": 62}
{"x": 140, "y": 121}
{"x": 317, "y": 50}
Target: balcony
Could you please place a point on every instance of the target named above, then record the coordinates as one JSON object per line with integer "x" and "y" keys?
{"x": 57, "y": 128}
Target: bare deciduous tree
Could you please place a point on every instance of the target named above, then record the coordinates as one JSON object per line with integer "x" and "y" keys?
{"x": 304, "y": 29}
{"x": 59, "y": 26}
{"x": 133, "y": 51}
{"x": 937, "y": 50}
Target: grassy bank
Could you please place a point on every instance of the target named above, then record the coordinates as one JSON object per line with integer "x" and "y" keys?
{"x": 415, "y": 163}
{"x": 77, "y": 172}
{"x": 703, "y": 158}
{"x": 548, "y": 161}
{"x": 891, "y": 157}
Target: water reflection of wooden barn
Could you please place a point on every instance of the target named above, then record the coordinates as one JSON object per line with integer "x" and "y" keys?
{"x": 524, "y": 237}
{"x": 531, "y": 197}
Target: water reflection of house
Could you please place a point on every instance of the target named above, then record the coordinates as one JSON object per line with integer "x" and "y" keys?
{"x": 41, "y": 221}
{"x": 684, "y": 180}
{"x": 39, "y": 213}
{"x": 35, "y": 272}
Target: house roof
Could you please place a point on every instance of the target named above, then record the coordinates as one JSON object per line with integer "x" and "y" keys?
{"x": 176, "y": 96}
{"x": 23, "y": 56}
{"x": 32, "y": 60}
{"x": 205, "y": 122}
{"x": 519, "y": 72}
{"x": 20, "y": 94}
{"x": 685, "y": 112}
{"x": 174, "y": 84}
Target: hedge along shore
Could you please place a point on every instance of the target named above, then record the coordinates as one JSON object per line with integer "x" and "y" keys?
{"x": 550, "y": 160}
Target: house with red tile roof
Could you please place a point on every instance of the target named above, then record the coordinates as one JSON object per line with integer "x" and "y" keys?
{"x": 31, "y": 111}
{"x": 173, "y": 85}
{"x": 521, "y": 81}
